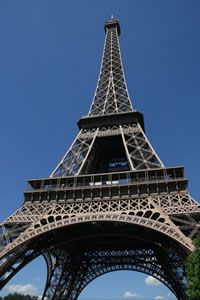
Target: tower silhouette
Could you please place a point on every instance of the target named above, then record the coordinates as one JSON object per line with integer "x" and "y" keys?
{"x": 110, "y": 204}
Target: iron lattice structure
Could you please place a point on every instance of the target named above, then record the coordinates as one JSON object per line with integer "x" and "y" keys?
{"x": 109, "y": 205}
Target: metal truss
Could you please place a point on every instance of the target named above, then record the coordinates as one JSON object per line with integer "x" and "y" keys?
{"x": 71, "y": 272}
{"x": 111, "y": 97}
{"x": 73, "y": 159}
{"x": 158, "y": 213}
{"x": 68, "y": 216}
{"x": 144, "y": 212}
{"x": 61, "y": 271}
{"x": 111, "y": 94}
{"x": 14, "y": 262}
{"x": 72, "y": 269}
{"x": 175, "y": 204}
{"x": 139, "y": 152}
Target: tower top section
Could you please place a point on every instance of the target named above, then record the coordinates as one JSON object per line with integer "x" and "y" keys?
{"x": 111, "y": 95}
{"x": 112, "y": 23}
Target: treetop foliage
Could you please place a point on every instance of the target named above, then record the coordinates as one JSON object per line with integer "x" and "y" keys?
{"x": 17, "y": 296}
{"x": 193, "y": 272}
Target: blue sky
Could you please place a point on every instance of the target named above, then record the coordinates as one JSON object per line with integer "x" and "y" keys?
{"x": 50, "y": 56}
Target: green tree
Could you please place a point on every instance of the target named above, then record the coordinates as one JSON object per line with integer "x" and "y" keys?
{"x": 193, "y": 272}
{"x": 17, "y": 296}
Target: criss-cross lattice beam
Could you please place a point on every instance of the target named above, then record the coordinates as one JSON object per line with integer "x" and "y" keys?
{"x": 143, "y": 212}
{"x": 72, "y": 269}
{"x": 161, "y": 206}
{"x": 14, "y": 262}
{"x": 58, "y": 276}
{"x": 173, "y": 268}
{"x": 111, "y": 94}
{"x": 72, "y": 161}
{"x": 180, "y": 207}
{"x": 140, "y": 154}
{"x": 69, "y": 277}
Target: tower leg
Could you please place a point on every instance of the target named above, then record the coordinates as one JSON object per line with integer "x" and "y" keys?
{"x": 65, "y": 276}
{"x": 173, "y": 268}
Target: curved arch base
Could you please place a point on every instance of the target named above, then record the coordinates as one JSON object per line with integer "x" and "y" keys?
{"x": 70, "y": 271}
{"x": 73, "y": 263}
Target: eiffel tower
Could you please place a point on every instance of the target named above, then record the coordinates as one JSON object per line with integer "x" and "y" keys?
{"x": 109, "y": 205}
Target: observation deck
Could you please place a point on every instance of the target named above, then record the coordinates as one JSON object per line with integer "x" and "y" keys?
{"x": 134, "y": 184}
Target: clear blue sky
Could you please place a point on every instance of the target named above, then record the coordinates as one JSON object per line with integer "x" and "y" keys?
{"x": 50, "y": 53}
